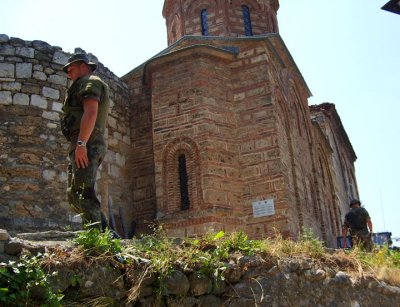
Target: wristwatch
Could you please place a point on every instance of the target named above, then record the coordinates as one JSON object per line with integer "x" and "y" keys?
{"x": 81, "y": 143}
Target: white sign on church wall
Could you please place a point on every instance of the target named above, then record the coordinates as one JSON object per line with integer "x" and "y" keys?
{"x": 263, "y": 208}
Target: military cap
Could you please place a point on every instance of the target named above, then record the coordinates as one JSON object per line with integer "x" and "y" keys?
{"x": 354, "y": 201}
{"x": 79, "y": 57}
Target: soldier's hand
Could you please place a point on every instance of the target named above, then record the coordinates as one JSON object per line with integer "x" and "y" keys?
{"x": 81, "y": 158}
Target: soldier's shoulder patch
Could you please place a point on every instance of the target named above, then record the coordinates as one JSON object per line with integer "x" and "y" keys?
{"x": 92, "y": 87}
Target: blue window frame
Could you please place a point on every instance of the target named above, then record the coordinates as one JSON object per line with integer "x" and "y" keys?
{"x": 248, "y": 30}
{"x": 204, "y": 22}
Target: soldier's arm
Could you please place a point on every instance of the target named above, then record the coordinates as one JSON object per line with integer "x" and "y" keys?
{"x": 88, "y": 121}
{"x": 369, "y": 223}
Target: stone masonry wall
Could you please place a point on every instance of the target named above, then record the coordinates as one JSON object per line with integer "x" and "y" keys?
{"x": 242, "y": 280}
{"x": 33, "y": 150}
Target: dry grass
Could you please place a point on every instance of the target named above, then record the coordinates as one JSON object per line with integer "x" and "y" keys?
{"x": 382, "y": 264}
{"x": 208, "y": 253}
{"x": 389, "y": 275}
{"x": 148, "y": 260}
{"x": 92, "y": 302}
{"x": 280, "y": 247}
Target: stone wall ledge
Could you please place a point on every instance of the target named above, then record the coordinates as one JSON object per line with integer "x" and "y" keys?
{"x": 247, "y": 280}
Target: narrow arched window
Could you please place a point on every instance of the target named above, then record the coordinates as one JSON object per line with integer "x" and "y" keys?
{"x": 183, "y": 182}
{"x": 248, "y": 30}
{"x": 204, "y": 22}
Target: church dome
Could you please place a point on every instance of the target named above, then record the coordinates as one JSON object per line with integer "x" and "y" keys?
{"x": 229, "y": 18}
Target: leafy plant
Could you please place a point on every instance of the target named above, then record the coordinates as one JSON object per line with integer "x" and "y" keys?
{"x": 18, "y": 281}
{"x": 311, "y": 243}
{"x": 240, "y": 241}
{"x": 93, "y": 240}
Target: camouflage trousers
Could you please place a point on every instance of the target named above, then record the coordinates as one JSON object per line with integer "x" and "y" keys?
{"x": 80, "y": 190}
{"x": 363, "y": 240}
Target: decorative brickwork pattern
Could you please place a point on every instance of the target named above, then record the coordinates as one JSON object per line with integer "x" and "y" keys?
{"x": 223, "y": 18}
{"x": 244, "y": 105}
{"x": 199, "y": 136}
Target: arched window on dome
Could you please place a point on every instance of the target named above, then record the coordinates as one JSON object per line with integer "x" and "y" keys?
{"x": 204, "y": 22}
{"x": 248, "y": 30}
{"x": 183, "y": 182}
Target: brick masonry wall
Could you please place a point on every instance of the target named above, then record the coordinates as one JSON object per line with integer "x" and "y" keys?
{"x": 257, "y": 131}
{"x": 224, "y": 18}
{"x": 143, "y": 209}
{"x": 193, "y": 116}
{"x": 33, "y": 150}
{"x": 337, "y": 174}
{"x": 226, "y": 109}
{"x": 240, "y": 117}
{"x": 245, "y": 122}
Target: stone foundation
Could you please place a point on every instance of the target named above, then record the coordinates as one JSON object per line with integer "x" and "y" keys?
{"x": 248, "y": 280}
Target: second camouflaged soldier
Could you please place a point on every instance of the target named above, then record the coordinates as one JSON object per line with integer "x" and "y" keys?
{"x": 360, "y": 225}
{"x": 83, "y": 124}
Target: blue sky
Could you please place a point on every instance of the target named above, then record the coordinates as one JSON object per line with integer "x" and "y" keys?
{"x": 347, "y": 51}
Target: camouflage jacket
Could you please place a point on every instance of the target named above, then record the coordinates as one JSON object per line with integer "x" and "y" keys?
{"x": 356, "y": 219}
{"x": 89, "y": 86}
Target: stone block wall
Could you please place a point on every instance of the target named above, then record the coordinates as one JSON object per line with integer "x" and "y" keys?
{"x": 33, "y": 150}
{"x": 255, "y": 280}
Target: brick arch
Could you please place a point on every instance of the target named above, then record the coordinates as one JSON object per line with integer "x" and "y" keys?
{"x": 316, "y": 209}
{"x": 305, "y": 118}
{"x": 333, "y": 209}
{"x": 172, "y": 199}
{"x": 193, "y": 10}
{"x": 251, "y": 4}
{"x": 320, "y": 196}
{"x": 294, "y": 100}
{"x": 284, "y": 110}
{"x": 352, "y": 177}
{"x": 346, "y": 177}
{"x": 197, "y": 5}
{"x": 267, "y": 8}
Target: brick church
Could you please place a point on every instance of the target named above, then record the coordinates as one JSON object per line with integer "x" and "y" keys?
{"x": 213, "y": 133}
{"x": 225, "y": 137}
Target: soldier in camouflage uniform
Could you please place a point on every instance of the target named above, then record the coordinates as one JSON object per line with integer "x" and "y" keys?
{"x": 83, "y": 123}
{"x": 360, "y": 225}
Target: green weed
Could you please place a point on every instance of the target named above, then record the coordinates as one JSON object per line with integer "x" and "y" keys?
{"x": 94, "y": 241}
{"x": 20, "y": 281}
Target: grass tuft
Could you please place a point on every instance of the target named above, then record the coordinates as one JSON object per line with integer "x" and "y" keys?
{"x": 152, "y": 258}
